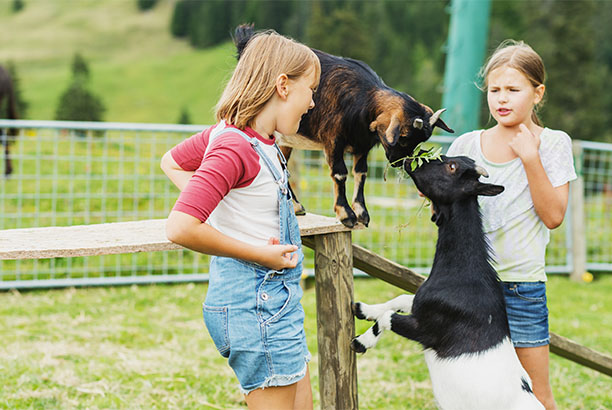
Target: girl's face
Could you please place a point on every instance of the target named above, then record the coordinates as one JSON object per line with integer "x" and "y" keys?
{"x": 297, "y": 100}
{"x": 511, "y": 96}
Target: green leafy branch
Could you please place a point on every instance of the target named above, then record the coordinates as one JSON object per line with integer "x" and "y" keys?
{"x": 417, "y": 158}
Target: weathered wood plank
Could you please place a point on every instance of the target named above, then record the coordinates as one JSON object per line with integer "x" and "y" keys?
{"x": 335, "y": 323}
{"x": 575, "y": 352}
{"x": 114, "y": 238}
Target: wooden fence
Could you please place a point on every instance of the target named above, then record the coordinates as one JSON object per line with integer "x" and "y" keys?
{"x": 335, "y": 257}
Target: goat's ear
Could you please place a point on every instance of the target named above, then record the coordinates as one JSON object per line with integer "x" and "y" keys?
{"x": 393, "y": 131}
{"x": 441, "y": 124}
{"x": 489, "y": 189}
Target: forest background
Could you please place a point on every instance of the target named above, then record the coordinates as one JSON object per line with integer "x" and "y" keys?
{"x": 166, "y": 61}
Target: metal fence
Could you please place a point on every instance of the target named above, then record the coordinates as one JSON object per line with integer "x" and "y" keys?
{"x": 67, "y": 173}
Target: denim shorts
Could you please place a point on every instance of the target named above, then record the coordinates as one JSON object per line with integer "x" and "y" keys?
{"x": 256, "y": 320}
{"x": 527, "y": 313}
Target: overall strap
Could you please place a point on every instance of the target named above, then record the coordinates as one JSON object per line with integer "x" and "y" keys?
{"x": 279, "y": 178}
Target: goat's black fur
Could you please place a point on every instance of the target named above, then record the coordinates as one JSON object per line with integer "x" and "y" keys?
{"x": 459, "y": 313}
{"x": 354, "y": 111}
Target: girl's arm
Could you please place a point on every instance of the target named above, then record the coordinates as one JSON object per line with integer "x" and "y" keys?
{"x": 174, "y": 172}
{"x": 191, "y": 233}
{"x": 550, "y": 202}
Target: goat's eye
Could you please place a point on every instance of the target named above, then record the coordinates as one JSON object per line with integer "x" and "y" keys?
{"x": 452, "y": 166}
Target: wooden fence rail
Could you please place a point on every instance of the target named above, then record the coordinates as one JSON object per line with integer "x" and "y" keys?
{"x": 402, "y": 277}
{"x": 335, "y": 257}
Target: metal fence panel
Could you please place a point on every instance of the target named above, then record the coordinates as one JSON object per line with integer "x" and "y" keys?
{"x": 83, "y": 173}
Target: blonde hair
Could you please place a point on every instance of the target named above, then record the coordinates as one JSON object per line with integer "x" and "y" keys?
{"x": 266, "y": 56}
{"x": 520, "y": 56}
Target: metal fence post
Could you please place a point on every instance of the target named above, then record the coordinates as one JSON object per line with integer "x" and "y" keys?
{"x": 578, "y": 230}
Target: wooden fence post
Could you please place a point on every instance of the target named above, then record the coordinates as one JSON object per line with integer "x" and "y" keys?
{"x": 578, "y": 229}
{"x": 335, "y": 323}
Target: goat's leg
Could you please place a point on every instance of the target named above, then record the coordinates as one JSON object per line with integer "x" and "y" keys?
{"x": 298, "y": 208}
{"x": 403, "y": 325}
{"x": 402, "y": 304}
{"x": 360, "y": 171}
{"x": 369, "y": 339}
{"x": 8, "y": 166}
{"x": 339, "y": 172}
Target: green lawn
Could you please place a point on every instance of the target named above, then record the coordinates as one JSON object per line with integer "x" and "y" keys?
{"x": 139, "y": 70}
{"x": 146, "y": 347}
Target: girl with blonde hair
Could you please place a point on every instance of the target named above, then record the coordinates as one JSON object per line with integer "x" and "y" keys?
{"x": 235, "y": 205}
{"x": 535, "y": 165}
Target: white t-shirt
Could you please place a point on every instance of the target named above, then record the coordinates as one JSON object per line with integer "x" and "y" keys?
{"x": 516, "y": 233}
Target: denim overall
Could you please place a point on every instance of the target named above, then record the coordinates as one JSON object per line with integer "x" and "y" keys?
{"x": 253, "y": 313}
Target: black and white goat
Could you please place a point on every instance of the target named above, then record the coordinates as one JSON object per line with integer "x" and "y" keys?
{"x": 354, "y": 111}
{"x": 458, "y": 314}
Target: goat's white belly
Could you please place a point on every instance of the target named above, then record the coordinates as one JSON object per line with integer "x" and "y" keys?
{"x": 297, "y": 141}
{"x": 490, "y": 380}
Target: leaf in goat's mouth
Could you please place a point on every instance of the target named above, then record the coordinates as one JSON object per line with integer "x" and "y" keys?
{"x": 417, "y": 158}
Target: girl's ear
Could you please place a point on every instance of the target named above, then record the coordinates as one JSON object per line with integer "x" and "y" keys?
{"x": 539, "y": 93}
{"x": 282, "y": 85}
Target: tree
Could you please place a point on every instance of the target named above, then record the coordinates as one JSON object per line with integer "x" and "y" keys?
{"x": 144, "y": 5}
{"x": 17, "y": 5}
{"x": 78, "y": 103}
{"x": 184, "y": 117}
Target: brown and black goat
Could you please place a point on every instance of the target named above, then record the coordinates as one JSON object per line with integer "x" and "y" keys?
{"x": 354, "y": 111}
{"x": 7, "y": 91}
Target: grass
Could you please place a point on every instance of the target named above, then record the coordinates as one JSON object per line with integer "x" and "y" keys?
{"x": 139, "y": 70}
{"x": 146, "y": 347}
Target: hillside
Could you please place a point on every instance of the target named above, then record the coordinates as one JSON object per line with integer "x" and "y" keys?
{"x": 139, "y": 70}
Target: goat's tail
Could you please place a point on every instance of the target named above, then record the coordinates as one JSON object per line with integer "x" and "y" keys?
{"x": 242, "y": 35}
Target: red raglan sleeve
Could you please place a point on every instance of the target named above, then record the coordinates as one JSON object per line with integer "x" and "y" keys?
{"x": 189, "y": 153}
{"x": 230, "y": 163}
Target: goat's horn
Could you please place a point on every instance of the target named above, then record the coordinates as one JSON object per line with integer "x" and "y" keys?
{"x": 434, "y": 117}
{"x": 481, "y": 171}
{"x": 418, "y": 123}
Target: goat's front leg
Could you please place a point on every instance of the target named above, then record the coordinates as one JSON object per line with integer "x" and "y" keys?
{"x": 335, "y": 159}
{"x": 402, "y": 303}
{"x": 404, "y": 325}
{"x": 360, "y": 172}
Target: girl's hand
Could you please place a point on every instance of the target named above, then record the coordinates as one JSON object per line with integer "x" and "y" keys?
{"x": 525, "y": 144}
{"x": 276, "y": 256}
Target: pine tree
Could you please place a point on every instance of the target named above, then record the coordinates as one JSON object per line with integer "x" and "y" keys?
{"x": 144, "y": 5}
{"x": 184, "y": 117}
{"x": 78, "y": 103}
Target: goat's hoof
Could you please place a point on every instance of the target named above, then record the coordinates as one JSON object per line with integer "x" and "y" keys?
{"x": 356, "y": 308}
{"x": 364, "y": 219}
{"x": 349, "y": 222}
{"x": 299, "y": 209}
{"x": 357, "y": 346}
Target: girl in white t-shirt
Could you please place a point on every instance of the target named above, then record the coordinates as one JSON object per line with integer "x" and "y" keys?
{"x": 535, "y": 165}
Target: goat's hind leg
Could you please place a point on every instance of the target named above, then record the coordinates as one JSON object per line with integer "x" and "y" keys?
{"x": 402, "y": 303}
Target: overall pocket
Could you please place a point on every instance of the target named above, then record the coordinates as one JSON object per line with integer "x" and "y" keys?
{"x": 272, "y": 299}
{"x": 216, "y": 319}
